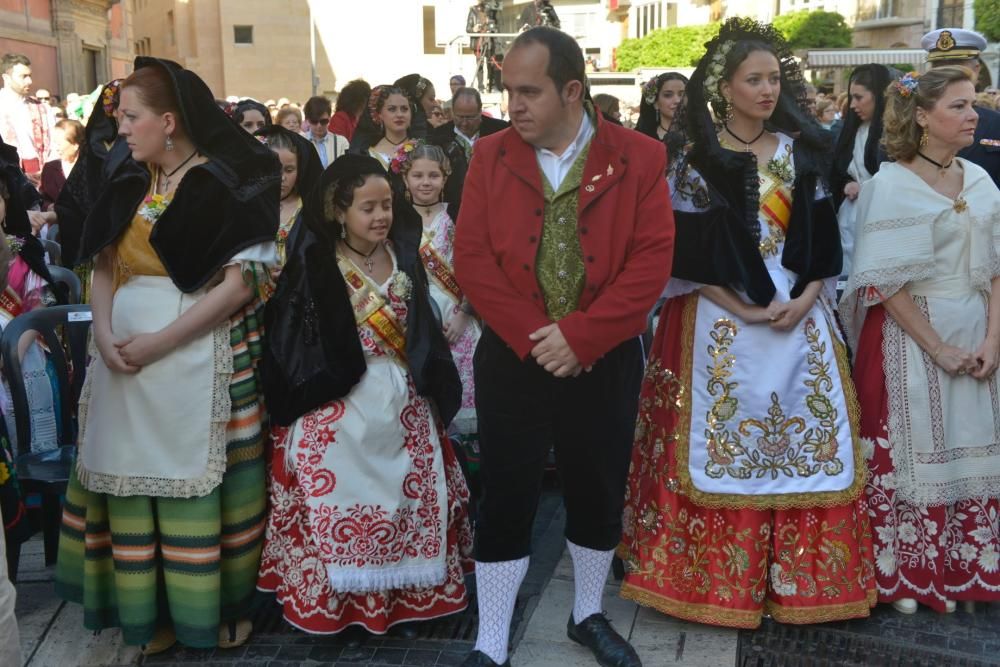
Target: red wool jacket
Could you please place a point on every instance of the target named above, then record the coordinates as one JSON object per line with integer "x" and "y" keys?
{"x": 625, "y": 226}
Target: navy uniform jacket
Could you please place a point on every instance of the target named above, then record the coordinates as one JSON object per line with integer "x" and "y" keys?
{"x": 985, "y": 150}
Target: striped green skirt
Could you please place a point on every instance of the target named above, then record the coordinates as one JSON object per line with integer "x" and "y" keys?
{"x": 142, "y": 562}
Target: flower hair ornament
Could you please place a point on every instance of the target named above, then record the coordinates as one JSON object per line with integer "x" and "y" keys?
{"x": 907, "y": 84}
{"x": 110, "y": 97}
{"x": 402, "y": 157}
{"x": 650, "y": 90}
{"x": 422, "y": 84}
{"x": 373, "y": 101}
{"x": 229, "y": 109}
{"x": 714, "y": 73}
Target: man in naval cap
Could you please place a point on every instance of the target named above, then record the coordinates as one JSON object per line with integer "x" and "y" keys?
{"x": 955, "y": 46}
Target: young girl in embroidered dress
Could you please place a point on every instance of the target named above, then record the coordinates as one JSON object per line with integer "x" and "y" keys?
{"x": 368, "y": 524}
{"x": 920, "y": 309}
{"x": 744, "y": 496}
{"x": 300, "y": 170}
{"x": 425, "y": 169}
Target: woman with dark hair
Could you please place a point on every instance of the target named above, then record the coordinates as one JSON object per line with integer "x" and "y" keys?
{"x": 351, "y": 105}
{"x": 661, "y": 97}
{"x": 386, "y": 125}
{"x": 921, "y": 312}
{"x": 859, "y": 150}
{"x": 745, "y": 492}
{"x": 420, "y": 92}
{"x": 251, "y": 115}
{"x": 360, "y": 384}
{"x": 300, "y": 171}
{"x": 164, "y": 516}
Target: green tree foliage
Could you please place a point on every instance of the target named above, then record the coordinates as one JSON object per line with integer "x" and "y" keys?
{"x": 681, "y": 46}
{"x": 815, "y": 30}
{"x": 988, "y": 19}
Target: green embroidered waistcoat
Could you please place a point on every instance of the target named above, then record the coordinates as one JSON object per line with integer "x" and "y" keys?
{"x": 559, "y": 264}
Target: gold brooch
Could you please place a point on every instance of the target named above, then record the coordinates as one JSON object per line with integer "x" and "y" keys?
{"x": 960, "y": 205}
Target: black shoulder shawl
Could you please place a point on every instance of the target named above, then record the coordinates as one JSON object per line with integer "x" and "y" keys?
{"x": 718, "y": 244}
{"x": 221, "y": 207}
{"x": 312, "y": 353}
{"x": 102, "y": 152}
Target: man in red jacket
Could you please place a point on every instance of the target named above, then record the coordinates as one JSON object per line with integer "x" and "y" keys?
{"x": 563, "y": 244}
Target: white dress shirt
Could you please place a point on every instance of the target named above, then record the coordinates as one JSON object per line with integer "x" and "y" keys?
{"x": 555, "y": 167}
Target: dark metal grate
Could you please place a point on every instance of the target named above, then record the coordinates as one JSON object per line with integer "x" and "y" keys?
{"x": 887, "y": 639}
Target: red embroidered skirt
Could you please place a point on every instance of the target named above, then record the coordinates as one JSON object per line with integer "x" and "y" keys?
{"x": 930, "y": 554}
{"x": 730, "y": 566}
{"x": 292, "y": 568}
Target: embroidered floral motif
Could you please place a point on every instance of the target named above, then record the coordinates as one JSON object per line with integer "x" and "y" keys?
{"x": 931, "y": 552}
{"x": 723, "y": 446}
{"x": 771, "y": 245}
{"x": 783, "y": 444}
{"x": 781, "y": 166}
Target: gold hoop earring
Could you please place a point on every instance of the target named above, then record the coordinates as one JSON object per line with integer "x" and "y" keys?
{"x": 728, "y": 115}
{"x": 923, "y": 138}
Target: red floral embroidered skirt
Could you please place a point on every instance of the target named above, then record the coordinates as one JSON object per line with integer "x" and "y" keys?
{"x": 291, "y": 565}
{"x": 930, "y": 554}
{"x": 730, "y": 567}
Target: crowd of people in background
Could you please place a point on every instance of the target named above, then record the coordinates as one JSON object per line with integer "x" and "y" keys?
{"x": 335, "y": 346}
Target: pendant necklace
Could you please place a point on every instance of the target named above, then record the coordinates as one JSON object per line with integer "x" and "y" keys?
{"x": 168, "y": 175}
{"x": 369, "y": 261}
{"x": 958, "y": 203}
{"x": 665, "y": 129}
{"x": 427, "y": 209}
{"x": 744, "y": 141}
{"x": 941, "y": 167}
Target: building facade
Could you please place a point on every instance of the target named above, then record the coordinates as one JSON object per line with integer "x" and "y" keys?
{"x": 73, "y": 45}
{"x": 247, "y": 48}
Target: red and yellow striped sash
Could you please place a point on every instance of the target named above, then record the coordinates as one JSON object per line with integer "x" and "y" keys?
{"x": 372, "y": 310}
{"x": 439, "y": 271}
{"x": 777, "y": 207}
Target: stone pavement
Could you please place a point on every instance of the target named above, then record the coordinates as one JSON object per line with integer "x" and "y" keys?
{"x": 52, "y": 633}
{"x": 659, "y": 640}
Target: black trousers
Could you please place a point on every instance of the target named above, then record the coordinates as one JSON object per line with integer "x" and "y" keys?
{"x": 523, "y": 411}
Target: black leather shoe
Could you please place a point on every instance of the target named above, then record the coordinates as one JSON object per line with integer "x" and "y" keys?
{"x": 609, "y": 647}
{"x": 480, "y": 659}
{"x": 406, "y": 630}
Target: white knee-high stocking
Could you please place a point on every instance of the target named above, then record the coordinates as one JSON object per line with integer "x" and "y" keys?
{"x": 590, "y": 574}
{"x": 496, "y": 591}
